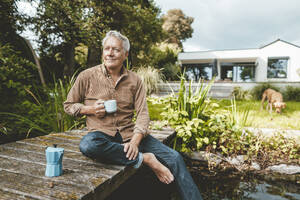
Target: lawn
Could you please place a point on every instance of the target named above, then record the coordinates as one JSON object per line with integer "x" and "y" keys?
{"x": 288, "y": 119}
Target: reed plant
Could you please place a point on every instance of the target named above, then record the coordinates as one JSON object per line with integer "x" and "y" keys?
{"x": 186, "y": 112}
{"x": 150, "y": 77}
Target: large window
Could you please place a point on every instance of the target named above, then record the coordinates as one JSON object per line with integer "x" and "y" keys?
{"x": 238, "y": 72}
{"x": 244, "y": 73}
{"x": 277, "y": 67}
{"x": 198, "y": 71}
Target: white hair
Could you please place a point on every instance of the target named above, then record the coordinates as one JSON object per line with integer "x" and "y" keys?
{"x": 118, "y": 35}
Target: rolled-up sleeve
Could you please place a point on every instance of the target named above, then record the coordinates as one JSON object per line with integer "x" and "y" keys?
{"x": 75, "y": 97}
{"x": 142, "y": 114}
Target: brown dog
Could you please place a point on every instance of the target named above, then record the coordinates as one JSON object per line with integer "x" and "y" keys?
{"x": 274, "y": 99}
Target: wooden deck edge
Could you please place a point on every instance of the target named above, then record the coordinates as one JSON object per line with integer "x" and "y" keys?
{"x": 105, "y": 189}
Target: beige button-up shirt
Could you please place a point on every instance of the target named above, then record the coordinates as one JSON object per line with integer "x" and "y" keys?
{"x": 95, "y": 83}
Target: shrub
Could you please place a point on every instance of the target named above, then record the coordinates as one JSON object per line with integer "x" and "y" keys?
{"x": 16, "y": 74}
{"x": 45, "y": 114}
{"x": 171, "y": 71}
{"x": 258, "y": 90}
{"x": 291, "y": 93}
{"x": 197, "y": 121}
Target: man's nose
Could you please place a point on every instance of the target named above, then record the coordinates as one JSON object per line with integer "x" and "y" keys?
{"x": 109, "y": 52}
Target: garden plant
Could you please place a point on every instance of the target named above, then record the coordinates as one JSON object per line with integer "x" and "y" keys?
{"x": 202, "y": 124}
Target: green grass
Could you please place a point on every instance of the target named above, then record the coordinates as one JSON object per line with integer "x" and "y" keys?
{"x": 288, "y": 119}
{"x": 154, "y": 111}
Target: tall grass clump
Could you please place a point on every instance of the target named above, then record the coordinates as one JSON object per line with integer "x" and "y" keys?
{"x": 150, "y": 77}
{"x": 240, "y": 94}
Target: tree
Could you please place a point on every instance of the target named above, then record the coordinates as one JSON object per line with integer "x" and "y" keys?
{"x": 63, "y": 23}
{"x": 137, "y": 19}
{"x": 8, "y": 23}
{"x": 178, "y": 26}
{"x": 11, "y": 24}
{"x": 164, "y": 57}
{"x": 67, "y": 24}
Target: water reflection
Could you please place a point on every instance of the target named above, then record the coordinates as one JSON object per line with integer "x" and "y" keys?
{"x": 234, "y": 186}
{"x": 213, "y": 186}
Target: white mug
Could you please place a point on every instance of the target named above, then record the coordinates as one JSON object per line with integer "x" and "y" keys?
{"x": 110, "y": 106}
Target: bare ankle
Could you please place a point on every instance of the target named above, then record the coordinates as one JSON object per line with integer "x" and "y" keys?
{"x": 148, "y": 157}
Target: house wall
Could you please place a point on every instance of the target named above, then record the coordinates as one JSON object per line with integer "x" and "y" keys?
{"x": 220, "y": 90}
{"x": 259, "y": 56}
{"x": 278, "y": 49}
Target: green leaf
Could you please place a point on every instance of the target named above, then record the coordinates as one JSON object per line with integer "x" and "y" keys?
{"x": 206, "y": 140}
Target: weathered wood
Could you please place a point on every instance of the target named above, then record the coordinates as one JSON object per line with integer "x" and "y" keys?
{"x": 23, "y": 163}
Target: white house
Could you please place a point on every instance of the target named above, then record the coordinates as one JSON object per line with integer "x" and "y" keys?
{"x": 277, "y": 63}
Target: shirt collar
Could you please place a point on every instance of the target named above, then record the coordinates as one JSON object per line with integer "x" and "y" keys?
{"x": 124, "y": 71}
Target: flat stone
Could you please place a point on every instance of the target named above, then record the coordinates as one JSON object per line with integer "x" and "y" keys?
{"x": 205, "y": 157}
{"x": 285, "y": 169}
{"x": 255, "y": 166}
{"x": 237, "y": 161}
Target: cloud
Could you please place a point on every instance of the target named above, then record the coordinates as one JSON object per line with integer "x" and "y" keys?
{"x": 235, "y": 24}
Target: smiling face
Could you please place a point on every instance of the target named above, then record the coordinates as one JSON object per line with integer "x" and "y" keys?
{"x": 113, "y": 53}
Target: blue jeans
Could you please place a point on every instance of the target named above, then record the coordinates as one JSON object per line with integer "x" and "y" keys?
{"x": 98, "y": 145}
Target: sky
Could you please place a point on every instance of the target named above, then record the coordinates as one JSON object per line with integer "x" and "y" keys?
{"x": 232, "y": 24}
{"x": 238, "y": 24}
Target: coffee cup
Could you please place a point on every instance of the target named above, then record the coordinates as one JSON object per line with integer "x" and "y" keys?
{"x": 110, "y": 106}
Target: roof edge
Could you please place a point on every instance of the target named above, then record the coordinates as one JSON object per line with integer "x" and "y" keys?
{"x": 278, "y": 41}
{"x": 245, "y": 48}
{"x": 220, "y": 50}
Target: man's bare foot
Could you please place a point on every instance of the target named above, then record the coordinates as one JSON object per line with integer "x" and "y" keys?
{"x": 162, "y": 172}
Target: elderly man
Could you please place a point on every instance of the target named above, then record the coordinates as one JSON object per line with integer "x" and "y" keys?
{"x": 113, "y": 136}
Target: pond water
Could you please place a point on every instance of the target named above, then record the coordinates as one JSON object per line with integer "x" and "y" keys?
{"x": 143, "y": 186}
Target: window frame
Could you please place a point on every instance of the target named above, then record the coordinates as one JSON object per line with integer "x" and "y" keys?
{"x": 200, "y": 67}
{"x": 285, "y": 70}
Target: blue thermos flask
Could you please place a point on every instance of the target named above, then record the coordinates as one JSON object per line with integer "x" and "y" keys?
{"x": 54, "y": 158}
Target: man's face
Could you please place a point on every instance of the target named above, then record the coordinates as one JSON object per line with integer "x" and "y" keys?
{"x": 113, "y": 53}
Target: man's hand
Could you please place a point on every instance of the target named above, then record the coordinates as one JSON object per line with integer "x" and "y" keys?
{"x": 98, "y": 108}
{"x": 131, "y": 148}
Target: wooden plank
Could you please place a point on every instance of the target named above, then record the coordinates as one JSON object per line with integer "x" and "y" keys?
{"x": 22, "y": 168}
{"x": 49, "y": 143}
{"x": 81, "y": 163}
{"x": 35, "y": 187}
{"x": 72, "y": 176}
{"x": 5, "y": 194}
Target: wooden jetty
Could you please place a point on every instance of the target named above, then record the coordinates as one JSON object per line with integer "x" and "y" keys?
{"x": 23, "y": 163}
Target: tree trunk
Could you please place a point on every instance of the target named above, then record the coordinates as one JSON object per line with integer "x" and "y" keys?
{"x": 37, "y": 62}
{"x": 94, "y": 56}
{"x": 69, "y": 59}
